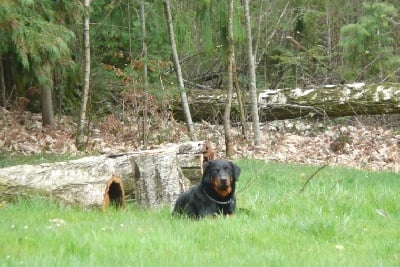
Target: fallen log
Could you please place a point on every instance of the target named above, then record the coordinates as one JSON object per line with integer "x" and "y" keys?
{"x": 114, "y": 194}
{"x": 151, "y": 178}
{"x": 275, "y": 104}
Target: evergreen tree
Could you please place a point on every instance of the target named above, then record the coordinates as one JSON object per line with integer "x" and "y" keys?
{"x": 368, "y": 45}
{"x": 34, "y": 34}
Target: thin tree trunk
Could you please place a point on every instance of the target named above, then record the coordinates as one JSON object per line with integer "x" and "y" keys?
{"x": 229, "y": 83}
{"x": 145, "y": 82}
{"x": 328, "y": 26}
{"x": 2, "y": 84}
{"x": 242, "y": 110}
{"x": 252, "y": 76}
{"x": 178, "y": 71}
{"x": 47, "y": 105}
{"x": 86, "y": 77}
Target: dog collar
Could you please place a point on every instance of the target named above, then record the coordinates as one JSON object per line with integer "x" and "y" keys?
{"x": 217, "y": 201}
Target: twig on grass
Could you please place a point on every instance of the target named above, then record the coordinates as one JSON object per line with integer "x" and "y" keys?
{"x": 249, "y": 182}
{"x": 336, "y": 183}
{"x": 247, "y": 185}
{"x": 312, "y": 176}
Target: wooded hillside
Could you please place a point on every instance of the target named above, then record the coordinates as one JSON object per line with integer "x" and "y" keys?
{"x": 281, "y": 45}
{"x": 296, "y": 44}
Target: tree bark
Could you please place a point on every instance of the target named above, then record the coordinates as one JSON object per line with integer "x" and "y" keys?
{"x": 252, "y": 76}
{"x": 157, "y": 179}
{"x": 86, "y": 76}
{"x": 3, "y": 99}
{"x": 177, "y": 66}
{"x": 229, "y": 83}
{"x": 325, "y": 101}
{"x": 239, "y": 93}
{"x": 151, "y": 177}
{"x": 145, "y": 80}
{"x": 47, "y": 104}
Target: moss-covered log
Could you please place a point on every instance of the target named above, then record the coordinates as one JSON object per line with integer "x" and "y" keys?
{"x": 329, "y": 100}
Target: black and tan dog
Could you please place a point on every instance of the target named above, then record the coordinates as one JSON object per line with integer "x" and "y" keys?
{"x": 214, "y": 195}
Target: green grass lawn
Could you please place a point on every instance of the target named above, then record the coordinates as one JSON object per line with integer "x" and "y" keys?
{"x": 344, "y": 217}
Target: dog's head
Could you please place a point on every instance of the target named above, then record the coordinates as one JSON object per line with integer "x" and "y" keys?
{"x": 222, "y": 175}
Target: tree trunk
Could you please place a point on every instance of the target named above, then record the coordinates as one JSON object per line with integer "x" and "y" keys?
{"x": 177, "y": 66}
{"x": 325, "y": 101}
{"x": 239, "y": 100}
{"x": 157, "y": 179}
{"x": 151, "y": 177}
{"x": 86, "y": 77}
{"x": 229, "y": 83}
{"x": 47, "y": 105}
{"x": 3, "y": 99}
{"x": 252, "y": 77}
{"x": 145, "y": 82}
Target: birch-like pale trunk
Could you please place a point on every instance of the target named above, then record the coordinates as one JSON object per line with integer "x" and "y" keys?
{"x": 86, "y": 76}
{"x": 252, "y": 76}
{"x": 177, "y": 66}
{"x": 145, "y": 82}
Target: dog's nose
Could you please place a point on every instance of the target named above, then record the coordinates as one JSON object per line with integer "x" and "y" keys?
{"x": 224, "y": 179}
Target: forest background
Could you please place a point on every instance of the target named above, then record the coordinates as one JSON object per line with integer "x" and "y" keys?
{"x": 133, "y": 80}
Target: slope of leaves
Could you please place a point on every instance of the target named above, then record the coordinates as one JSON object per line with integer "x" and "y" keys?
{"x": 361, "y": 142}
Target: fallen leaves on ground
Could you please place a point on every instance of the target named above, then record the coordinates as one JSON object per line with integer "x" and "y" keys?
{"x": 354, "y": 142}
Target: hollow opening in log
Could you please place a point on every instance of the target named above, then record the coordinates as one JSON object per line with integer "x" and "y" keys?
{"x": 114, "y": 194}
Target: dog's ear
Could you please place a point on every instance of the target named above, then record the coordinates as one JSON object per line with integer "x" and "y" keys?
{"x": 207, "y": 172}
{"x": 236, "y": 171}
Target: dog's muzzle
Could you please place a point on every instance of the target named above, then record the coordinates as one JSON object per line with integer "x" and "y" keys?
{"x": 224, "y": 182}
